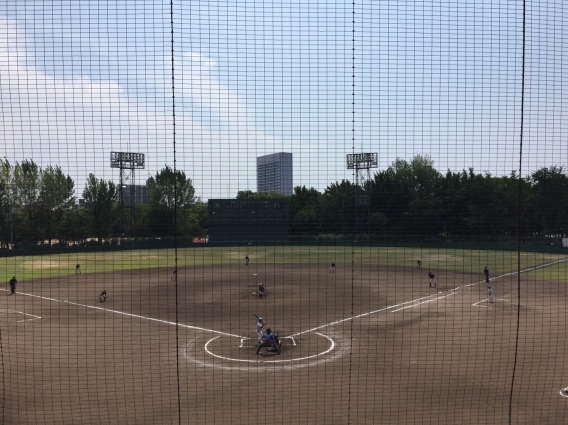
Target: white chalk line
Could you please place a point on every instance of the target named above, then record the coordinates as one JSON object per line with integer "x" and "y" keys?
{"x": 429, "y": 296}
{"x": 423, "y": 302}
{"x": 21, "y": 312}
{"x": 271, "y": 361}
{"x": 298, "y": 333}
{"x": 137, "y": 316}
{"x": 563, "y": 394}
{"x": 242, "y": 339}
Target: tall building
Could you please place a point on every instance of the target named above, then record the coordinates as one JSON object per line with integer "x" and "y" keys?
{"x": 274, "y": 173}
{"x": 133, "y": 194}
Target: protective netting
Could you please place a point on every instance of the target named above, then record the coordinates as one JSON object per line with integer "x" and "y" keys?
{"x": 382, "y": 184}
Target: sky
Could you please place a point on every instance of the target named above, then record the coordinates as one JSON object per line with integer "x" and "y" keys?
{"x": 80, "y": 79}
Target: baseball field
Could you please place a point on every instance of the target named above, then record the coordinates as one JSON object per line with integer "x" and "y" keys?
{"x": 371, "y": 343}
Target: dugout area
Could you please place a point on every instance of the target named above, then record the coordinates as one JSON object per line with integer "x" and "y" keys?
{"x": 403, "y": 352}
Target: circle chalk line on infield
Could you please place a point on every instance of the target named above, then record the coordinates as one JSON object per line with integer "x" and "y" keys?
{"x": 332, "y": 346}
{"x": 396, "y": 307}
{"x": 563, "y": 394}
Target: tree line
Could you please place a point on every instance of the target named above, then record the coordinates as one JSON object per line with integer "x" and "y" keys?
{"x": 409, "y": 198}
{"x": 38, "y": 206}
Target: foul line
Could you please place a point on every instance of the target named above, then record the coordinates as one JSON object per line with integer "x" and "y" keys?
{"x": 298, "y": 333}
{"x": 425, "y": 298}
{"x": 151, "y": 319}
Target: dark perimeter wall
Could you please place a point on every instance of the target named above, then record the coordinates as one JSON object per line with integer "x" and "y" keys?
{"x": 241, "y": 220}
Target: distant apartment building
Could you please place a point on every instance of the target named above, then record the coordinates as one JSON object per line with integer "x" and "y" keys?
{"x": 274, "y": 173}
{"x": 133, "y": 194}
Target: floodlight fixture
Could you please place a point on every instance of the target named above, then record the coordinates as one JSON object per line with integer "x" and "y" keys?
{"x": 362, "y": 161}
{"x": 127, "y": 160}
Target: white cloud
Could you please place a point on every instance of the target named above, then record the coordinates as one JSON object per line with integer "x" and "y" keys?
{"x": 77, "y": 123}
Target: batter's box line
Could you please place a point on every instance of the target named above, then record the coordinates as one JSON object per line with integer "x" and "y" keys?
{"x": 299, "y": 359}
{"x": 21, "y": 312}
{"x": 282, "y": 337}
{"x": 477, "y": 304}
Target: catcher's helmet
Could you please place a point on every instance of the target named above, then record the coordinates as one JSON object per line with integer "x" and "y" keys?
{"x": 268, "y": 331}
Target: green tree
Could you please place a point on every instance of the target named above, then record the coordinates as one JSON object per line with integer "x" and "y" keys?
{"x": 305, "y": 211}
{"x": 26, "y": 186}
{"x": 56, "y": 200}
{"x": 338, "y": 204}
{"x": 423, "y": 216}
{"x": 6, "y": 202}
{"x": 550, "y": 199}
{"x": 101, "y": 206}
{"x": 170, "y": 198}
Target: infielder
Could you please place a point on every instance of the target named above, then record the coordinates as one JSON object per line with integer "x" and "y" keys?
{"x": 259, "y": 325}
{"x": 332, "y": 267}
{"x": 490, "y": 293}
{"x": 432, "y": 278}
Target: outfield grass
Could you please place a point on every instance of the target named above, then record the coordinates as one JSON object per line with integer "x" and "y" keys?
{"x": 498, "y": 262}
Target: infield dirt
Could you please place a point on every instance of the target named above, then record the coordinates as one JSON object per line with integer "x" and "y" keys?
{"x": 366, "y": 345}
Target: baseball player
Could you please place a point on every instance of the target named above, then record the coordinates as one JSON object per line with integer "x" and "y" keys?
{"x": 260, "y": 290}
{"x": 259, "y": 325}
{"x": 268, "y": 340}
{"x": 490, "y": 293}
{"x": 332, "y": 267}
{"x": 486, "y": 271}
{"x": 13, "y": 283}
{"x": 103, "y": 296}
{"x": 246, "y": 260}
{"x": 78, "y": 268}
{"x": 174, "y": 274}
{"x": 432, "y": 278}
{"x": 418, "y": 264}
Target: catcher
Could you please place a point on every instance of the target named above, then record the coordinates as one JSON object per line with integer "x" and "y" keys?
{"x": 268, "y": 340}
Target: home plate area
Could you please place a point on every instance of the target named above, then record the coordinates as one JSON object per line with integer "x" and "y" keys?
{"x": 293, "y": 349}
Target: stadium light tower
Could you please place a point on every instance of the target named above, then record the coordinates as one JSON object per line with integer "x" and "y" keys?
{"x": 362, "y": 164}
{"x": 128, "y": 163}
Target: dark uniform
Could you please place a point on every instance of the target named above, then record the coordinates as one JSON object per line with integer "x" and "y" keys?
{"x": 13, "y": 283}
{"x": 268, "y": 340}
{"x": 432, "y": 278}
{"x": 486, "y": 271}
{"x": 260, "y": 290}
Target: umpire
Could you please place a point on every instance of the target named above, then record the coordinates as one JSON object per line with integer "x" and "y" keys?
{"x": 268, "y": 340}
{"x": 13, "y": 283}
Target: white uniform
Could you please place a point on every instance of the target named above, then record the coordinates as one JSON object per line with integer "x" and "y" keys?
{"x": 259, "y": 326}
{"x": 490, "y": 294}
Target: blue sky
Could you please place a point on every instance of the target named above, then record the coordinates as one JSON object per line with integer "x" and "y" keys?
{"x": 80, "y": 79}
